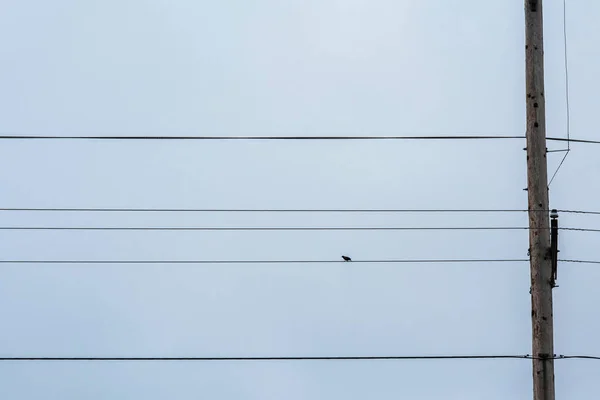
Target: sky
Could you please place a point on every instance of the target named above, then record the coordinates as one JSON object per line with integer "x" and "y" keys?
{"x": 266, "y": 67}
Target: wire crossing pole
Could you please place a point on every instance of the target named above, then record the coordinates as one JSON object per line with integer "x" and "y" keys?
{"x": 537, "y": 189}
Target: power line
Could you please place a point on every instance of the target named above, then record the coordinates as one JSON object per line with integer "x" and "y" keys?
{"x": 567, "y": 95}
{"x": 580, "y": 229}
{"x": 397, "y": 261}
{"x": 270, "y": 210}
{"x": 318, "y": 228}
{"x": 164, "y": 137}
{"x": 559, "y": 165}
{"x": 407, "y": 261}
{"x": 306, "y": 358}
{"x": 274, "y": 228}
{"x": 571, "y": 140}
{"x": 563, "y": 357}
{"x": 580, "y": 212}
{"x": 567, "y": 106}
{"x": 281, "y": 210}
{"x": 283, "y": 358}
{"x": 229, "y": 138}
{"x": 580, "y": 261}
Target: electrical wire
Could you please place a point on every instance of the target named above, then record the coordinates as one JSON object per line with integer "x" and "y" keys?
{"x": 319, "y": 228}
{"x": 264, "y": 210}
{"x": 407, "y": 261}
{"x": 566, "y": 59}
{"x": 579, "y": 229}
{"x": 558, "y": 168}
{"x": 567, "y": 106}
{"x": 397, "y": 261}
{"x": 580, "y": 261}
{"x": 163, "y": 137}
{"x": 284, "y": 210}
{"x": 308, "y": 358}
{"x": 273, "y": 228}
{"x": 271, "y": 210}
{"x": 579, "y": 212}
{"x": 571, "y": 140}
{"x": 563, "y": 357}
{"x": 283, "y": 358}
{"x": 229, "y": 138}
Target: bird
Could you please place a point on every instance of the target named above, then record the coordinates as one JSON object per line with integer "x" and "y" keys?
{"x": 346, "y": 258}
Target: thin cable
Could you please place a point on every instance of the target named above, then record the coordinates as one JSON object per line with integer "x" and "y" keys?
{"x": 162, "y": 137}
{"x": 563, "y": 357}
{"x": 304, "y": 358}
{"x": 261, "y": 228}
{"x": 570, "y": 140}
{"x": 269, "y": 210}
{"x": 229, "y": 138}
{"x": 579, "y": 212}
{"x": 288, "y": 210}
{"x": 580, "y": 261}
{"x": 567, "y": 106}
{"x": 579, "y": 229}
{"x": 300, "y": 358}
{"x": 407, "y": 261}
{"x": 566, "y": 58}
{"x": 323, "y": 358}
{"x": 318, "y": 228}
{"x": 415, "y": 261}
{"x": 558, "y": 168}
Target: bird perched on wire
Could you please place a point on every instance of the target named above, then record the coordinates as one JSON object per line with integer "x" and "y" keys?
{"x": 346, "y": 258}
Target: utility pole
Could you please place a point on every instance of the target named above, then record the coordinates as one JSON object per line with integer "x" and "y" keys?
{"x": 537, "y": 190}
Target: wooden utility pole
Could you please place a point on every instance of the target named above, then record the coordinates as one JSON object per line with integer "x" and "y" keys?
{"x": 537, "y": 189}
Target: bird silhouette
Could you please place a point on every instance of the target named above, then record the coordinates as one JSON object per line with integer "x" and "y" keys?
{"x": 346, "y": 258}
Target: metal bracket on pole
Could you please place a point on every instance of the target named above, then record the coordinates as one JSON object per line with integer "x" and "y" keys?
{"x": 554, "y": 246}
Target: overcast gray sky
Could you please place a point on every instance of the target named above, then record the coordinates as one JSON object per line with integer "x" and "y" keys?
{"x": 266, "y": 67}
